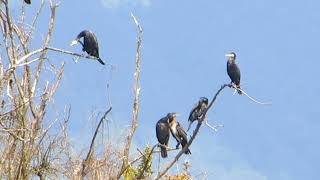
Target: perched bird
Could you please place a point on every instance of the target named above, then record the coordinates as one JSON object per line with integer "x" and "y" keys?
{"x": 163, "y": 134}
{"x": 89, "y": 44}
{"x": 197, "y": 112}
{"x": 178, "y": 132}
{"x": 27, "y": 1}
{"x": 233, "y": 71}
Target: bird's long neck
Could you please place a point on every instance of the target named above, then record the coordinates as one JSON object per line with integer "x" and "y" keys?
{"x": 81, "y": 43}
{"x": 173, "y": 124}
{"x": 173, "y": 127}
{"x": 231, "y": 61}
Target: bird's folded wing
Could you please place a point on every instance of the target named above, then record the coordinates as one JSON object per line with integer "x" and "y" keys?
{"x": 191, "y": 116}
{"x": 181, "y": 132}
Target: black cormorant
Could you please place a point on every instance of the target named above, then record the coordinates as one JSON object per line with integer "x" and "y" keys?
{"x": 27, "y": 1}
{"x": 89, "y": 44}
{"x": 163, "y": 134}
{"x": 197, "y": 112}
{"x": 233, "y": 70}
{"x": 178, "y": 132}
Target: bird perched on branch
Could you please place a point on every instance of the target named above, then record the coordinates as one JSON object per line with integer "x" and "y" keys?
{"x": 178, "y": 132}
{"x": 89, "y": 44}
{"x": 163, "y": 134}
{"x": 27, "y": 1}
{"x": 197, "y": 112}
{"x": 234, "y": 71}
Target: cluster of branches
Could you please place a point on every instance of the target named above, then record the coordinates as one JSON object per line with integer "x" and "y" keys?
{"x": 28, "y": 82}
{"x": 25, "y": 144}
{"x": 28, "y": 147}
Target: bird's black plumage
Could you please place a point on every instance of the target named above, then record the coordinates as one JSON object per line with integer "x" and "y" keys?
{"x": 89, "y": 44}
{"x": 178, "y": 133}
{"x": 197, "y": 112}
{"x": 234, "y": 71}
{"x": 163, "y": 135}
{"x": 27, "y": 1}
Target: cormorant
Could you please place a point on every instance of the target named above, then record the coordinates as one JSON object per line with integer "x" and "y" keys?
{"x": 197, "y": 112}
{"x": 233, "y": 71}
{"x": 89, "y": 44}
{"x": 178, "y": 132}
{"x": 163, "y": 134}
{"x": 27, "y": 1}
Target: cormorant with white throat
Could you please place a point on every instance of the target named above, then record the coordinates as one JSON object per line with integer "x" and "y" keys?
{"x": 234, "y": 71}
{"x": 178, "y": 132}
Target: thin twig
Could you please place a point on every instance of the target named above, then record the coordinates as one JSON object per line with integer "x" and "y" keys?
{"x": 92, "y": 141}
{"x": 27, "y": 63}
{"x": 251, "y": 98}
{"x": 46, "y": 44}
{"x": 215, "y": 127}
{"x": 33, "y": 24}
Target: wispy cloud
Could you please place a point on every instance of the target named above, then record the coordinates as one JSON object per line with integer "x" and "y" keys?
{"x": 122, "y": 3}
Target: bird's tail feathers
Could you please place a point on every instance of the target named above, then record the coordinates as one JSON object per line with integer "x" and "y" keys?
{"x": 164, "y": 153}
{"x": 100, "y": 61}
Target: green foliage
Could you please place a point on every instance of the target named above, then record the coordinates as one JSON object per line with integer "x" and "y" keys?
{"x": 144, "y": 169}
{"x": 146, "y": 163}
{"x": 130, "y": 173}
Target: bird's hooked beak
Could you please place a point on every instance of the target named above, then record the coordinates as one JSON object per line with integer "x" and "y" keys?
{"x": 229, "y": 55}
{"x": 74, "y": 42}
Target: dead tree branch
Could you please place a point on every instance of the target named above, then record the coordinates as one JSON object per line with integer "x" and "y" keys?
{"x": 251, "y": 98}
{"x": 136, "y": 98}
{"x": 92, "y": 142}
{"x": 22, "y": 59}
{"x": 46, "y": 44}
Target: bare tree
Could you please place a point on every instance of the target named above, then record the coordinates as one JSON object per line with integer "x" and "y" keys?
{"x": 28, "y": 83}
{"x": 24, "y": 98}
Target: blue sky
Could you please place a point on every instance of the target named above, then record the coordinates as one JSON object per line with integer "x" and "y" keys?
{"x": 184, "y": 42}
